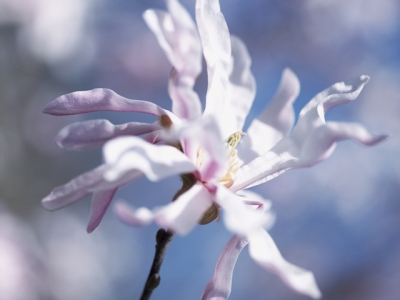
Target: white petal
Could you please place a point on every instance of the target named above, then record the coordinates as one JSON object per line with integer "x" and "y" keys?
{"x": 177, "y": 35}
{"x": 241, "y": 89}
{"x": 265, "y": 253}
{"x": 320, "y": 144}
{"x": 204, "y": 136}
{"x": 312, "y": 139}
{"x": 216, "y": 43}
{"x": 186, "y": 211}
{"x": 133, "y": 217}
{"x": 274, "y": 122}
{"x": 124, "y": 154}
{"x": 239, "y": 217}
{"x": 313, "y": 114}
{"x": 220, "y": 284}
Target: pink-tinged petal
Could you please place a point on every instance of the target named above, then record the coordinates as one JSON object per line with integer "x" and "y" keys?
{"x": 100, "y": 100}
{"x": 204, "y": 145}
{"x": 322, "y": 141}
{"x": 216, "y": 43}
{"x": 252, "y": 198}
{"x": 239, "y": 217}
{"x": 100, "y": 202}
{"x": 133, "y": 217}
{"x": 312, "y": 140}
{"x": 264, "y": 252}
{"x": 94, "y": 133}
{"x": 153, "y": 137}
{"x": 274, "y": 122}
{"x": 125, "y": 154}
{"x": 220, "y": 284}
{"x": 185, "y": 212}
{"x": 82, "y": 186}
{"x": 177, "y": 35}
{"x": 241, "y": 88}
{"x": 74, "y": 190}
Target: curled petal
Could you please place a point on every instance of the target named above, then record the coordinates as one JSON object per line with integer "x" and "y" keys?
{"x": 133, "y": 217}
{"x": 322, "y": 141}
{"x": 220, "y": 284}
{"x": 125, "y": 154}
{"x": 186, "y": 211}
{"x": 313, "y": 114}
{"x": 100, "y": 100}
{"x": 264, "y": 252}
{"x": 274, "y": 122}
{"x": 177, "y": 35}
{"x": 312, "y": 140}
{"x": 100, "y": 202}
{"x": 94, "y": 133}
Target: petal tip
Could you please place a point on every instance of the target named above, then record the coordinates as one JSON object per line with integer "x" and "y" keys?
{"x": 364, "y": 79}
{"x": 90, "y": 229}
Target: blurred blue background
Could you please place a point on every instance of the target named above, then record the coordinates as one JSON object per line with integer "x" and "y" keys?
{"x": 339, "y": 219}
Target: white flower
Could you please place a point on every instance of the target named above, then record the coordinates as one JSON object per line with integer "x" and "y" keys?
{"x": 211, "y": 169}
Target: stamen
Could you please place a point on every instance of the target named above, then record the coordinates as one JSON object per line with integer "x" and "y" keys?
{"x": 234, "y": 139}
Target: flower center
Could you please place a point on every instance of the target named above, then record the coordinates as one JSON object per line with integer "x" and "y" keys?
{"x": 234, "y": 164}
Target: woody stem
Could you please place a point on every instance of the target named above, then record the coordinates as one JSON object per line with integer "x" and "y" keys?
{"x": 163, "y": 239}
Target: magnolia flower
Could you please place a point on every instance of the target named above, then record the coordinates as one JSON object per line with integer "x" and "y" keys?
{"x": 204, "y": 147}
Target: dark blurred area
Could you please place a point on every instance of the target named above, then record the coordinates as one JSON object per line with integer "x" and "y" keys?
{"x": 339, "y": 219}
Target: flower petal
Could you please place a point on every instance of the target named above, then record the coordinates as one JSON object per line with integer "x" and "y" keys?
{"x": 100, "y": 100}
{"x": 216, "y": 43}
{"x": 252, "y": 198}
{"x": 265, "y": 253}
{"x": 239, "y": 217}
{"x": 74, "y": 190}
{"x": 100, "y": 202}
{"x": 204, "y": 145}
{"x": 177, "y": 35}
{"x": 220, "y": 284}
{"x": 94, "y": 133}
{"x": 312, "y": 140}
{"x": 241, "y": 88}
{"x": 313, "y": 114}
{"x": 321, "y": 142}
{"x": 82, "y": 186}
{"x": 185, "y": 212}
{"x": 124, "y": 154}
{"x": 274, "y": 122}
{"x": 133, "y": 217}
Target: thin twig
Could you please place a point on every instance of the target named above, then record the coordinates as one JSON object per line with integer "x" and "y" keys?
{"x": 163, "y": 239}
